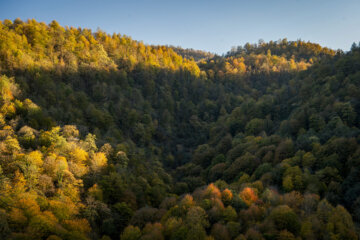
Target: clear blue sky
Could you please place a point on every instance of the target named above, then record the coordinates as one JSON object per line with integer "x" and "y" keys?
{"x": 209, "y": 25}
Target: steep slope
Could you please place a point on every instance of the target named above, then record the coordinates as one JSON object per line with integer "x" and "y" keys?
{"x": 262, "y": 143}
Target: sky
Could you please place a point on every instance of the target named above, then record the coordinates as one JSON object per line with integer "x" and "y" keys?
{"x": 209, "y": 25}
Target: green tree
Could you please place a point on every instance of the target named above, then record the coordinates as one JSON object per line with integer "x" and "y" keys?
{"x": 131, "y": 233}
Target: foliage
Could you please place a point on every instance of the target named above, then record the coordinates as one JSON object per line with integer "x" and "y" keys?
{"x": 104, "y": 137}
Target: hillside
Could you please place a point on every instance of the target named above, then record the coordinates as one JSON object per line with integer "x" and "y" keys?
{"x": 189, "y": 53}
{"x": 104, "y": 137}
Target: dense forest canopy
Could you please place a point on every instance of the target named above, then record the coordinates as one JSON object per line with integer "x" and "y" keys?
{"x": 189, "y": 53}
{"x": 105, "y": 137}
{"x": 295, "y": 49}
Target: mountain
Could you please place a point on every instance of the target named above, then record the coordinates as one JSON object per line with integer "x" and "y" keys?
{"x": 104, "y": 137}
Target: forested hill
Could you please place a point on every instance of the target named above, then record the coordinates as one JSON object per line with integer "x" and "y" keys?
{"x": 189, "y": 53}
{"x": 290, "y": 49}
{"x": 104, "y": 137}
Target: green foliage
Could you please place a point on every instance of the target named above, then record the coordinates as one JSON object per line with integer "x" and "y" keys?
{"x": 275, "y": 126}
{"x": 131, "y": 233}
{"x": 285, "y": 218}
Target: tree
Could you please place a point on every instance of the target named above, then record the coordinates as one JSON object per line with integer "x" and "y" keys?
{"x": 308, "y": 160}
{"x": 229, "y": 214}
{"x": 285, "y": 218}
{"x": 153, "y": 231}
{"x": 220, "y": 232}
{"x": 131, "y": 233}
{"x": 98, "y": 162}
{"x": 248, "y": 195}
{"x": 284, "y": 150}
{"x": 340, "y": 225}
{"x": 89, "y": 143}
{"x": 255, "y": 126}
{"x": 171, "y": 226}
{"x": 253, "y": 234}
{"x": 70, "y": 132}
{"x": 226, "y": 196}
{"x": 233, "y": 228}
{"x": 196, "y": 215}
{"x": 293, "y": 179}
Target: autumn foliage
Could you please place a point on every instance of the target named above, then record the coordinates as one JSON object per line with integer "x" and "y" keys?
{"x": 105, "y": 137}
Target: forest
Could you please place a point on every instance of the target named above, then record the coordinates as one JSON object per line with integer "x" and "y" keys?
{"x": 105, "y": 137}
